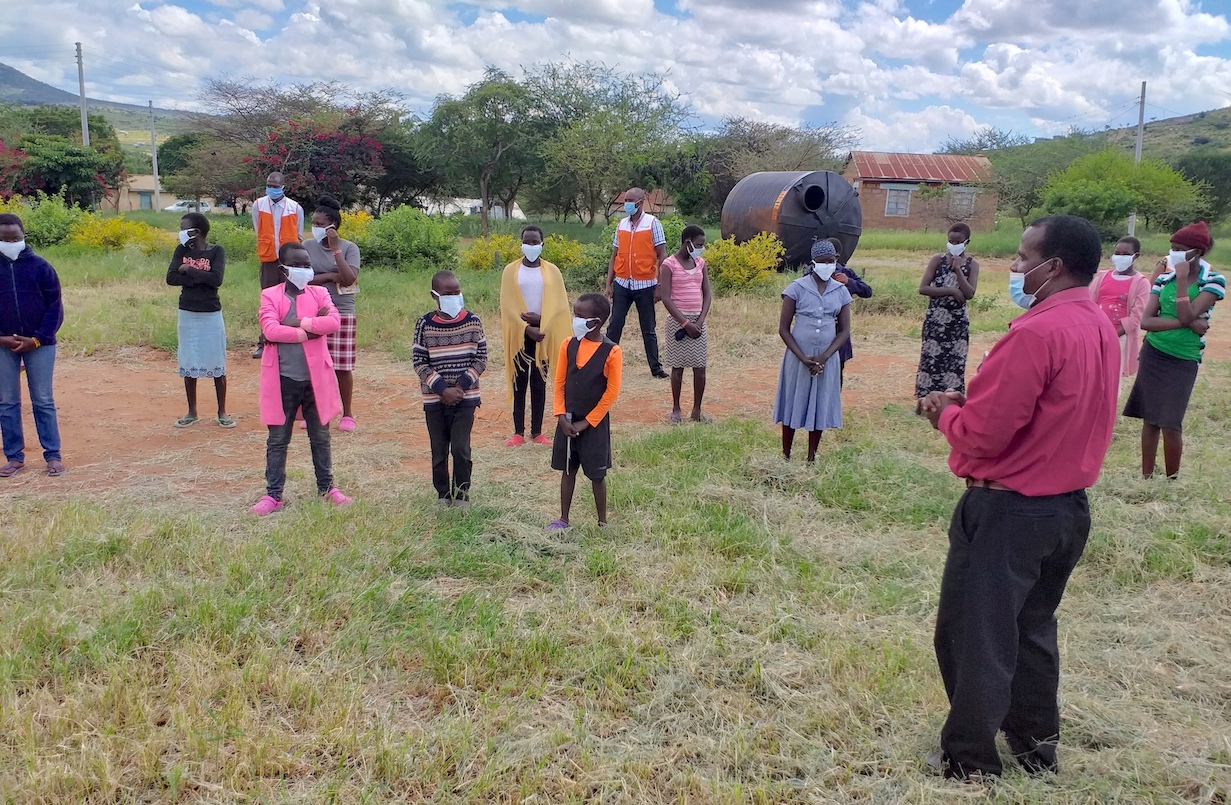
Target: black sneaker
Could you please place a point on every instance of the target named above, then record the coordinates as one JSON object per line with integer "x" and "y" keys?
{"x": 660, "y": 373}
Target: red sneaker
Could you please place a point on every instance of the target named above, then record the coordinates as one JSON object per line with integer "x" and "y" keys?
{"x": 517, "y": 441}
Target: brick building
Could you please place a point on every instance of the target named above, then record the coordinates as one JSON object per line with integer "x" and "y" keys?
{"x": 922, "y": 191}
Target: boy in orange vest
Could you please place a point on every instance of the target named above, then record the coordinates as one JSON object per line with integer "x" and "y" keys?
{"x": 277, "y": 220}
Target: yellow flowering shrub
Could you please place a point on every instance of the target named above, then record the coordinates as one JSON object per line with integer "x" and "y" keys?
{"x": 117, "y": 232}
{"x": 354, "y": 225}
{"x": 566, "y": 253}
{"x": 493, "y": 252}
{"x": 735, "y": 267}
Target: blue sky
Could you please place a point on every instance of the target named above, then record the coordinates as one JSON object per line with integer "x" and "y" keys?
{"x": 905, "y": 73}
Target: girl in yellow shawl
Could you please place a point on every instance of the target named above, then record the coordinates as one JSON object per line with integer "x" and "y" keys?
{"x": 535, "y": 320}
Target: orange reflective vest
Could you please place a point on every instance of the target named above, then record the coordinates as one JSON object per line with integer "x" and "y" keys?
{"x": 636, "y": 258}
{"x": 268, "y": 240}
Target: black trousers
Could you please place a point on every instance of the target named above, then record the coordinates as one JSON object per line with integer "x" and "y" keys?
{"x": 527, "y": 375}
{"x": 448, "y": 429}
{"x": 621, "y": 300}
{"x": 270, "y": 275}
{"x": 297, "y": 394}
{"x": 1010, "y": 557}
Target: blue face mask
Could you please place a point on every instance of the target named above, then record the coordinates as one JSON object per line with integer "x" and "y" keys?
{"x": 1017, "y": 290}
{"x": 274, "y": 192}
{"x": 630, "y": 208}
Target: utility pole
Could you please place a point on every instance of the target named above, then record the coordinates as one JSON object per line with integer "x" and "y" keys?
{"x": 1141, "y": 129}
{"x": 154, "y": 157}
{"x": 85, "y": 117}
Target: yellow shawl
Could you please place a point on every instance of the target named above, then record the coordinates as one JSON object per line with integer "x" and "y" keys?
{"x": 557, "y": 321}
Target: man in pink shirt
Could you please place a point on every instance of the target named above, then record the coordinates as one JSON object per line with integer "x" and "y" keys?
{"x": 1029, "y": 438}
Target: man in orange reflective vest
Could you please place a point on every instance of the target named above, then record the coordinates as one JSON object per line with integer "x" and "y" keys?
{"x": 277, "y": 220}
{"x": 632, "y": 277}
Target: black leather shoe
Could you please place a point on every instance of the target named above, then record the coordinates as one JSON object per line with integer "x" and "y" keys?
{"x": 659, "y": 373}
{"x": 258, "y": 352}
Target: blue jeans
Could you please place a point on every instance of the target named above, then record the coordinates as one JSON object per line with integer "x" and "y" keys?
{"x": 40, "y": 364}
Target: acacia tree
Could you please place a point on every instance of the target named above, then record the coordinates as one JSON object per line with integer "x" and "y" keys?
{"x": 488, "y": 139}
{"x": 983, "y": 140}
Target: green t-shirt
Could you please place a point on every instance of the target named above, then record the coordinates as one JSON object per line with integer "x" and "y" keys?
{"x": 1183, "y": 343}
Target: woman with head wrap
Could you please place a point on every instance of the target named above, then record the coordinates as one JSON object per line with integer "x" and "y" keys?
{"x": 814, "y": 324}
{"x": 1176, "y": 319}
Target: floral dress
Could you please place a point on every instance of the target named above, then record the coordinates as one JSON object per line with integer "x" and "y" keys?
{"x": 946, "y": 335}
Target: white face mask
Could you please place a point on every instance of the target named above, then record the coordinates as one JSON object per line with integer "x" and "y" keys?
{"x": 299, "y": 277}
{"x": 1174, "y": 258}
{"x": 320, "y": 233}
{"x": 450, "y": 305}
{"x": 582, "y": 327}
{"x": 185, "y": 236}
{"x": 11, "y": 250}
{"x": 957, "y": 249}
{"x": 695, "y": 253}
{"x": 531, "y": 253}
{"x": 824, "y": 270}
{"x": 1122, "y": 262}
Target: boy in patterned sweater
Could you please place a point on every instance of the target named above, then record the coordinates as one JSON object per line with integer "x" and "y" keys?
{"x": 449, "y": 354}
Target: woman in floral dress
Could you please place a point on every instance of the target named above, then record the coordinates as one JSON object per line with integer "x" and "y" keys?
{"x": 949, "y": 282}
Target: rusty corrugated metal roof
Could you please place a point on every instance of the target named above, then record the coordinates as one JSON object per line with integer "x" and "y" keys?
{"x": 952, "y": 168}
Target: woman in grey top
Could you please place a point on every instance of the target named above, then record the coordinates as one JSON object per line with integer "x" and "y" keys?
{"x": 336, "y": 266}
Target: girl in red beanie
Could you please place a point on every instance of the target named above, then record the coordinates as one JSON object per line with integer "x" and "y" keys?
{"x": 1176, "y": 319}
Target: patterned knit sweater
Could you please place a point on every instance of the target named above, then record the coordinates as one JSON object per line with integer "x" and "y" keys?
{"x": 449, "y": 352}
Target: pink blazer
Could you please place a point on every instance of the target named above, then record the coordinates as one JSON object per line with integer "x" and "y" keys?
{"x": 1138, "y": 296}
{"x": 274, "y": 307}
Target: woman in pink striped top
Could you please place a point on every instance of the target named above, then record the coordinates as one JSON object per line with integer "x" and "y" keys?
{"x": 685, "y": 287}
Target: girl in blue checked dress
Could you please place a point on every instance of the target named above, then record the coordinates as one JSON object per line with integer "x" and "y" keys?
{"x": 809, "y": 385}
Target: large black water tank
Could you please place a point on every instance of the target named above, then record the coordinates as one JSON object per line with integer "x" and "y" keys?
{"x": 799, "y": 207}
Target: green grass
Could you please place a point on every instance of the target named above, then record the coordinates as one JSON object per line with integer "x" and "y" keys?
{"x": 749, "y": 631}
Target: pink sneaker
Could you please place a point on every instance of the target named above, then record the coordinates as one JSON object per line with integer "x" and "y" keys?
{"x": 336, "y": 497}
{"x": 516, "y": 441}
{"x": 347, "y": 424}
{"x": 266, "y": 505}
{"x": 541, "y": 439}
{"x": 303, "y": 424}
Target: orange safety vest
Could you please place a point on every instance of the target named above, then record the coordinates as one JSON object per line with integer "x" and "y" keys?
{"x": 288, "y": 230}
{"x": 636, "y": 258}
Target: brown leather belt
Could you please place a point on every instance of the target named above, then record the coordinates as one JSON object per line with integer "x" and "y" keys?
{"x": 976, "y": 483}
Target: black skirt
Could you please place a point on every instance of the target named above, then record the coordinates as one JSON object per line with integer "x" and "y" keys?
{"x": 1162, "y": 389}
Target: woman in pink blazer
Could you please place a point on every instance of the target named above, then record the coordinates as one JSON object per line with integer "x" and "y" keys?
{"x": 1122, "y": 293}
{"x": 297, "y": 373}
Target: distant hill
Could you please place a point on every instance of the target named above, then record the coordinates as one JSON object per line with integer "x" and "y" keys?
{"x": 1171, "y": 138}
{"x": 18, "y": 88}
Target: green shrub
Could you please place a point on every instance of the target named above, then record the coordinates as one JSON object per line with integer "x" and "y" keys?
{"x": 589, "y": 273}
{"x": 407, "y": 239}
{"x": 113, "y": 234}
{"x": 47, "y": 219}
{"x": 237, "y": 240}
{"x": 491, "y": 253}
{"x": 566, "y": 253}
{"x": 736, "y": 267}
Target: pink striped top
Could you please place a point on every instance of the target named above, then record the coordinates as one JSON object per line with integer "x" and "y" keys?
{"x": 685, "y": 285}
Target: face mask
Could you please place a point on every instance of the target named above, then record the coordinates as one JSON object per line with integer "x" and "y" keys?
{"x": 11, "y": 250}
{"x": 695, "y": 253}
{"x": 299, "y": 277}
{"x": 185, "y": 236}
{"x": 582, "y": 327}
{"x": 320, "y": 233}
{"x": 1122, "y": 262}
{"x": 824, "y": 270}
{"x": 450, "y": 305}
{"x": 1174, "y": 258}
{"x": 956, "y": 249}
{"x": 630, "y": 207}
{"x": 1017, "y": 291}
{"x": 531, "y": 253}
{"x": 274, "y": 193}
{"x": 1031, "y": 298}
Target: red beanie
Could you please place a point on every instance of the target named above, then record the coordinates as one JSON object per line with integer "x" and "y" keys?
{"x": 1194, "y": 236}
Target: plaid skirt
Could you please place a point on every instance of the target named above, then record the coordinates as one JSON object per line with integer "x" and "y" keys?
{"x": 342, "y": 344}
{"x": 686, "y": 353}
